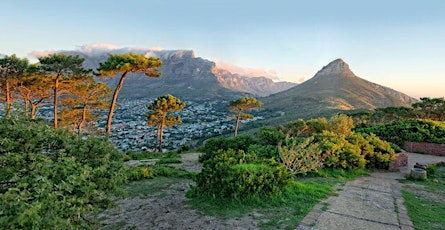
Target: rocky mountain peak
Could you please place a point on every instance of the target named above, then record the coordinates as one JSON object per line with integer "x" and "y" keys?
{"x": 336, "y": 67}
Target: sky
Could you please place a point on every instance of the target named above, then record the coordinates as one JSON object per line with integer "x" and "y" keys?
{"x": 399, "y": 44}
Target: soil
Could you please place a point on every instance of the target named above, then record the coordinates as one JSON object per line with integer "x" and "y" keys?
{"x": 379, "y": 194}
{"x": 168, "y": 210}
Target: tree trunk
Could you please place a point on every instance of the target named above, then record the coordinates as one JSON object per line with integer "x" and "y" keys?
{"x": 8, "y": 99}
{"x": 160, "y": 137}
{"x": 113, "y": 102}
{"x": 26, "y": 108}
{"x": 157, "y": 138}
{"x": 82, "y": 121}
{"x": 56, "y": 87}
{"x": 33, "y": 111}
{"x": 238, "y": 117}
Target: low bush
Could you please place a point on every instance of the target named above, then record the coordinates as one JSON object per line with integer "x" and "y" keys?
{"x": 302, "y": 158}
{"x": 265, "y": 151}
{"x": 413, "y": 130}
{"x": 240, "y": 142}
{"x": 56, "y": 181}
{"x": 239, "y": 175}
{"x": 139, "y": 173}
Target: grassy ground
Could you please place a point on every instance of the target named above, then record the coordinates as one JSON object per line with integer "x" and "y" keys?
{"x": 283, "y": 211}
{"x": 425, "y": 200}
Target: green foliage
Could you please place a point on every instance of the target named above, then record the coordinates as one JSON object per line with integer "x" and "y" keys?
{"x": 341, "y": 124}
{"x": 57, "y": 180}
{"x": 184, "y": 148}
{"x": 139, "y": 173}
{"x": 129, "y": 62}
{"x": 302, "y": 158}
{"x": 357, "y": 151}
{"x": 265, "y": 151}
{"x": 283, "y": 210}
{"x": 271, "y": 136}
{"x": 238, "y": 175}
{"x": 167, "y": 171}
{"x": 159, "y": 116}
{"x": 240, "y": 105}
{"x": 211, "y": 147}
{"x": 412, "y": 130}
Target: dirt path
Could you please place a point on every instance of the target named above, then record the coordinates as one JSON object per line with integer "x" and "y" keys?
{"x": 167, "y": 209}
{"x": 373, "y": 202}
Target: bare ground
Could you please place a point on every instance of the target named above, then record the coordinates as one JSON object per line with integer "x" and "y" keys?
{"x": 168, "y": 210}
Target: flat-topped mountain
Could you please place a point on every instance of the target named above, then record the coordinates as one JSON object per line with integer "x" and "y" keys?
{"x": 334, "y": 88}
{"x": 186, "y": 76}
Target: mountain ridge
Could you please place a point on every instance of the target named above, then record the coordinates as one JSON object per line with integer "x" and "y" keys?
{"x": 186, "y": 76}
{"x": 334, "y": 88}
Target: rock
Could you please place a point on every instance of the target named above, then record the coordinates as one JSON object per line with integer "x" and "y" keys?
{"x": 418, "y": 174}
{"x": 420, "y": 166}
{"x": 400, "y": 161}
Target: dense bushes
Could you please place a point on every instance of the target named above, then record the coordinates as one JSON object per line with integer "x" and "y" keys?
{"x": 408, "y": 130}
{"x": 55, "y": 180}
{"x": 211, "y": 147}
{"x": 235, "y": 174}
{"x": 245, "y": 166}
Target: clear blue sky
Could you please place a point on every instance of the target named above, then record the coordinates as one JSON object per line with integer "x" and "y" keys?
{"x": 399, "y": 44}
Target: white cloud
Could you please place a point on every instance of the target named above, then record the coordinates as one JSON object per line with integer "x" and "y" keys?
{"x": 37, "y": 54}
{"x": 246, "y": 71}
{"x": 96, "y": 48}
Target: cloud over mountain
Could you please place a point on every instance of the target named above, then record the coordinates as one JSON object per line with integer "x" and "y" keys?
{"x": 246, "y": 71}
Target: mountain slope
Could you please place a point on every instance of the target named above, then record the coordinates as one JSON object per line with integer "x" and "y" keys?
{"x": 187, "y": 77}
{"x": 334, "y": 88}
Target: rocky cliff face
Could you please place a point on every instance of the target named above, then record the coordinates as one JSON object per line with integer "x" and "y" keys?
{"x": 187, "y": 76}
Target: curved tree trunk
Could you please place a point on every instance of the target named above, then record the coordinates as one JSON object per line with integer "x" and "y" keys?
{"x": 8, "y": 99}
{"x": 82, "y": 121}
{"x": 55, "y": 103}
{"x": 113, "y": 102}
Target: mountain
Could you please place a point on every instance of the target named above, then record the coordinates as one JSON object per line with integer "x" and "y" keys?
{"x": 334, "y": 88}
{"x": 185, "y": 76}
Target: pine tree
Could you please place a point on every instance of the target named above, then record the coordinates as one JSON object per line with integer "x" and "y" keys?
{"x": 124, "y": 64}
{"x": 61, "y": 68}
{"x": 158, "y": 115}
{"x": 11, "y": 68}
{"x": 239, "y": 106}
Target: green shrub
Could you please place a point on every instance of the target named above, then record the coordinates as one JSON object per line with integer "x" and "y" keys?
{"x": 413, "y": 130}
{"x": 338, "y": 152}
{"x": 265, "y": 151}
{"x": 238, "y": 175}
{"x": 240, "y": 142}
{"x": 271, "y": 136}
{"x": 139, "y": 173}
{"x": 184, "y": 148}
{"x": 166, "y": 171}
{"x": 302, "y": 158}
{"x": 57, "y": 180}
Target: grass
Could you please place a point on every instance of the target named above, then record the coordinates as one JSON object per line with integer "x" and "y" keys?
{"x": 425, "y": 203}
{"x": 156, "y": 185}
{"x": 284, "y": 210}
{"x": 162, "y": 178}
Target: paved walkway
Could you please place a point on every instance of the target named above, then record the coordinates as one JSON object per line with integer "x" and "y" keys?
{"x": 373, "y": 202}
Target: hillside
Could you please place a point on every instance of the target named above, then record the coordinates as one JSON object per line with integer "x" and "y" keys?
{"x": 334, "y": 88}
{"x": 186, "y": 76}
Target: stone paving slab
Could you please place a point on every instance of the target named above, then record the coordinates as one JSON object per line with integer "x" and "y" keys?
{"x": 373, "y": 202}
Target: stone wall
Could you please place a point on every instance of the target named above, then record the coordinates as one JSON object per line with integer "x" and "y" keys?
{"x": 423, "y": 147}
{"x": 400, "y": 161}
